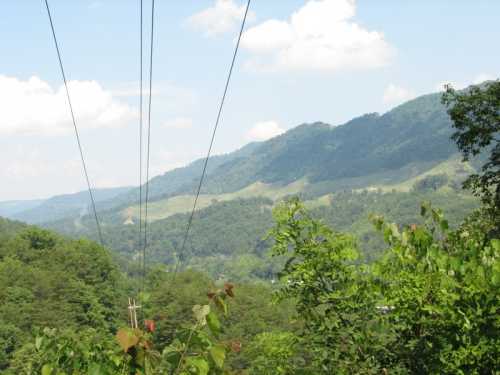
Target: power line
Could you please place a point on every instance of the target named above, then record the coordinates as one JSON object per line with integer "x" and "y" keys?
{"x": 219, "y": 114}
{"x": 140, "y": 126}
{"x": 148, "y": 143}
{"x": 74, "y": 125}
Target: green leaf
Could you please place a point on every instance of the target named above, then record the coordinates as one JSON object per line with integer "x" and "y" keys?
{"x": 144, "y": 297}
{"x": 219, "y": 302}
{"x": 47, "y": 369}
{"x": 199, "y": 364}
{"x": 218, "y": 355}
{"x": 213, "y": 323}
{"x": 495, "y": 243}
{"x": 38, "y": 342}
{"x": 94, "y": 369}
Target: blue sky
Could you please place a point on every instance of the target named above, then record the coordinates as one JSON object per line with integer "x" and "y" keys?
{"x": 300, "y": 61}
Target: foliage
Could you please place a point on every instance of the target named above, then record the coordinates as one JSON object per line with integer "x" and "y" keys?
{"x": 274, "y": 353}
{"x": 196, "y": 349}
{"x": 243, "y": 223}
{"x": 441, "y": 287}
{"x": 476, "y": 118}
{"x": 343, "y": 330}
{"x": 67, "y": 352}
{"x": 430, "y": 183}
{"x": 430, "y": 305}
{"x": 46, "y": 280}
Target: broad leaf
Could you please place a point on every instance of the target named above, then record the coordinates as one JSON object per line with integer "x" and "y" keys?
{"x": 126, "y": 338}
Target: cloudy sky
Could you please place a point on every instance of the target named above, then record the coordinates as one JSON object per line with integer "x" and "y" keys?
{"x": 301, "y": 61}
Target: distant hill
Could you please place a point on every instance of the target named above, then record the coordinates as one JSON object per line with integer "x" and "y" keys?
{"x": 58, "y": 207}
{"x": 386, "y": 164}
{"x": 370, "y": 149}
{"x": 9, "y": 208}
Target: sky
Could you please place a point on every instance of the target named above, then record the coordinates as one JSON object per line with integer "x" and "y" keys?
{"x": 300, "y": 61}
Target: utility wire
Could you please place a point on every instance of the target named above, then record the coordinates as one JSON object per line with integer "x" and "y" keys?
{"x": 140, "y": 126}
{"x": 75, "y": 126}
{"x": 219, "y": 114}
{"x": 149, "y": 144}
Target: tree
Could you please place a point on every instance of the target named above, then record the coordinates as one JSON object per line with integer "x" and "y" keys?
{"x": 343, "y": 332}
{"x": 441, "y": 290}
{"x": 475, "y": 113}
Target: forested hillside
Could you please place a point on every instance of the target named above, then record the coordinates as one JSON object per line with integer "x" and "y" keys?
{"x": 375, "y": 163}
{"x": 415, "y": 134}
{"x": 47, "y": 280}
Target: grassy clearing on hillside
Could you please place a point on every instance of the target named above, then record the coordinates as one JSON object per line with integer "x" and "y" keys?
{"x": 183, "y": 203}
{"x": 454, "y": 168}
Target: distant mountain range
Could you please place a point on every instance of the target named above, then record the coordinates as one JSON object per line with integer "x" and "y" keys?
{"x": 397, "y": 158}
{"x": 57, "y": 207}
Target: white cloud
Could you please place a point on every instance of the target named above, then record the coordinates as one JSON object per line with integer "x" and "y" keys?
{"x": 223, "y": 16}
{"x": 179, "y": 123}
{"x": 34, "y": 107}
{"x": 395, "y": 95}
{"x": 264, "y": 130}
{"x": 319, "y": 36}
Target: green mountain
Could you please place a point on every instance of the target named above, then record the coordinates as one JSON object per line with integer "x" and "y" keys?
{"x": 393, "y": 147}
{"x": 386, "y": 164}
{"x": 57, "y": 207}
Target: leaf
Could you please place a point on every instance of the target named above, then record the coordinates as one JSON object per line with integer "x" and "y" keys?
{"x": 228, "y": 288}
{"x": 200, "y": 364}
{"x": 38, "y": 342}
{"x": 47, "y": 369}
{"x": 94, "y": 369}
{"x": 219, "y": 302}
{"x": 126, "y": 338}
{"x": 144, "y": 297}
{"x": 213, "y": 323}
{"x": 218, "y": 355}
{"x": 495, "y": 243}
{"x": 150, "y": 325}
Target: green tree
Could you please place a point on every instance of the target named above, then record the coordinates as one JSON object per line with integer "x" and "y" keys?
{"x": 343, "y": 331}
{"x": 475, "y": 113}
{"x": 440, "y": 287}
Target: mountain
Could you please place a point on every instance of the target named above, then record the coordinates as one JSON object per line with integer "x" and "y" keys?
{"x": 9, "y": 208}
{"x": 314, "y": 159}
{"x": 387, "y": 164}
{"x": 58, "y": 207}
{"x": 400, "y": 144}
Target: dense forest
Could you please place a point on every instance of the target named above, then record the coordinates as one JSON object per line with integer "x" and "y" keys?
{"x": 374, "y": 282}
